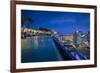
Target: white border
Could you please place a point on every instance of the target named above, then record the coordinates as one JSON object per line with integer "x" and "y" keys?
{"x": 20, "y": 65}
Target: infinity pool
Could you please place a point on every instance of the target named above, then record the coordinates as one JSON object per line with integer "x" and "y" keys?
{"x": 39, "y": 49}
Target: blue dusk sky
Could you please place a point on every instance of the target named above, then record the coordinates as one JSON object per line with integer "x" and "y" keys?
{"x": 62, "y": 22}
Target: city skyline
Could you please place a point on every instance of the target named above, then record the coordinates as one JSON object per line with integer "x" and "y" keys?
{"x": 62, "y": 22}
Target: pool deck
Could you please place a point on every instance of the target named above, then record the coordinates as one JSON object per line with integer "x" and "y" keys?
{"x": 66, "y": 54}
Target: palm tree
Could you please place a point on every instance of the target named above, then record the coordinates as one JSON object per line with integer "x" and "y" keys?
{"x": 24, "y": 22}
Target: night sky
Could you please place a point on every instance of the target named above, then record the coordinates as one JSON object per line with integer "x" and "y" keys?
{"x": 62, "y": 22}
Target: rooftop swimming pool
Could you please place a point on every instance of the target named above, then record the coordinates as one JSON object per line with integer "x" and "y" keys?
{"x": 39, "y": 49}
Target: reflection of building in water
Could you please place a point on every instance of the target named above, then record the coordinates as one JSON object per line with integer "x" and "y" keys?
{"x": 35, "y": 41}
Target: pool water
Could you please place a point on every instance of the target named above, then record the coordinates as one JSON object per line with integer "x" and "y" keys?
{"x": 39, "y": 49}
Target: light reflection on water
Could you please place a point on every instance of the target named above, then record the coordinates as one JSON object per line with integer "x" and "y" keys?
{"x": 39, "y": 49}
